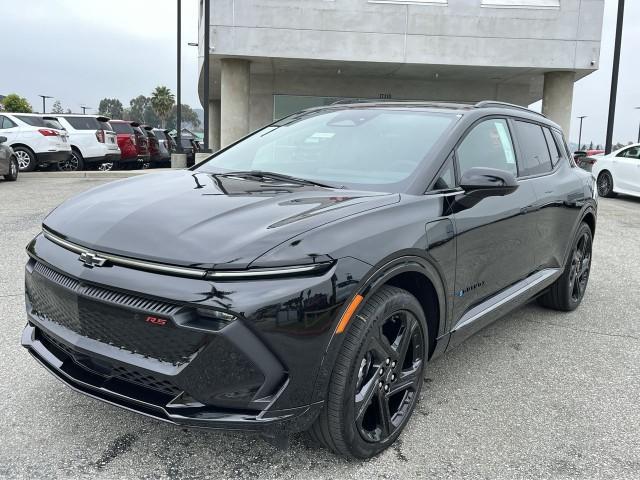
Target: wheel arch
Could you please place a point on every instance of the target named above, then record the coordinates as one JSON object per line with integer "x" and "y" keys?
{"x": 22, "y": 145}
{"x": 589, "y": 218}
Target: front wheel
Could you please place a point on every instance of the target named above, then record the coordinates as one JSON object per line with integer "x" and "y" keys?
{"x": 12, "y": 176}
{"x": 568, "y": 291}
{"x": 377, "y": 376}
{"x": 605, "y": 185}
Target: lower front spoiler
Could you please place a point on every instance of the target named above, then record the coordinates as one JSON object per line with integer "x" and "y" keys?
{"x": 159, "y": 406}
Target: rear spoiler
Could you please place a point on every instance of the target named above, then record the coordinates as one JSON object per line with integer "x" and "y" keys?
{"x": 147, "y": 128}
{"x": 134, "y": 124}
{"x": 103, "y": 119}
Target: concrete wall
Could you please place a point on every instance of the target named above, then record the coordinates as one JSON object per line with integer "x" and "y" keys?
{"x": 263, "y": 87}
{"x": 458, "y": 33}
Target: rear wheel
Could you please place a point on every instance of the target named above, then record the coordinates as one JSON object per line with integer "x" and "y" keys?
{"x": 567, "y": 292}
{"x": 73, "y": 163}
{"x": 605, "y": 184}
{"x": 26, "y": 159}
{"x": 377, "y": 376}
{"x": 12, "y": 176}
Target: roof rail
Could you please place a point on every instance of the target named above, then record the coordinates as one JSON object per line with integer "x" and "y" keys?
{"x": 495, "y": 103}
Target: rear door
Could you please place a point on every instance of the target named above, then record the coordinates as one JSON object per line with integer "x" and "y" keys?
{"x": 493, "y": 237}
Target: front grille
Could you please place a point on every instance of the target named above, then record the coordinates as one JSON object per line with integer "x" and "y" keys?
{"x": 146, "y": 380}
{"x": 123, "y": 373}
{"x": 98, "y": 313}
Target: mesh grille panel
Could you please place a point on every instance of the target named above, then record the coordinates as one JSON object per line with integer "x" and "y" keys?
{"x": 53, "y": 298}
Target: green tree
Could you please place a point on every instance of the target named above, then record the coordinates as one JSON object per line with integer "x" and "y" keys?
{"x": 15, "y": 103}
{"x": 57, "y": 107}
{"x": 162, "y": 101}
{"x": 137, "y": 108}
{"x": 110, "y": 107}
{"x": 189, "y": 116}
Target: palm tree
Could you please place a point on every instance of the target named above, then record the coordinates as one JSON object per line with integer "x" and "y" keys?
{"x": 162, "y": 101}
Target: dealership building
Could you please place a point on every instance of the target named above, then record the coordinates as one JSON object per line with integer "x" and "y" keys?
{"x": 270, "y": 58}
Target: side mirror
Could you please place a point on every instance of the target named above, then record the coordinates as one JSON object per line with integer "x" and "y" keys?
{"x": 479, "y": 183}
{"x": 3, "y": 139}
{"x": 488, "y": 182}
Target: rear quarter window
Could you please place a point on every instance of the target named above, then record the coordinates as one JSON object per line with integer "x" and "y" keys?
{"x": 84, "y": 123}
{"x": 33, "y": 121}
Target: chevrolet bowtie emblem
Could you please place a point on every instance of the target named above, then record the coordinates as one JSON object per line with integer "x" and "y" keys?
{"x": 91, "y": 259}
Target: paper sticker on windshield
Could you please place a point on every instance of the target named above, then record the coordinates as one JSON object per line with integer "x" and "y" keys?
{"x": 505, "y": 141}
{"x": 323, "y": 135}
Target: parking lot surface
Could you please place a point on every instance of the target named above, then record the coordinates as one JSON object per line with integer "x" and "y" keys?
{"x": 537, "y": 394}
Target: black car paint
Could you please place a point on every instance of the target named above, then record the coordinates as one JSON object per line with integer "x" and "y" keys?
{"x": 465, "y": 258}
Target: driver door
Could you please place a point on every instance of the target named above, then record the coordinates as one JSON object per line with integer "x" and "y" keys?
{"x": 494, "y": 237}
{"x": 627, "y": 170}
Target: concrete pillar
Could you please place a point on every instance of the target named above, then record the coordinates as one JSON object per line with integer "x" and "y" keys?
{"x": 178, "y": 160}
{"x": 557, "y": 98}
{"x": 234, "y": 100}
{"x": 214, "y": 125}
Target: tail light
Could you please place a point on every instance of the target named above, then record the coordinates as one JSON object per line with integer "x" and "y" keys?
{"x": 48, "y": 133}
{"x": 100, "y": 135}
{"x": 133, "y": 139}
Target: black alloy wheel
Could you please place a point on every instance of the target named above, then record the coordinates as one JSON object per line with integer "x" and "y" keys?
{"x": 568, "y": 291}
{"x": 389, "y": 377}
{"x": 377, "y": 376}
{"x": 580, "y": 267}
{"x": 605, "y": 184}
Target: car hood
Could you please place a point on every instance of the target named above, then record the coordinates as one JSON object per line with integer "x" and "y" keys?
{"x": 199, "y": 219}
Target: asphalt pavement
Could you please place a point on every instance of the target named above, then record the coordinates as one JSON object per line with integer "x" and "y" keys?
{"x": 537, "y": 394}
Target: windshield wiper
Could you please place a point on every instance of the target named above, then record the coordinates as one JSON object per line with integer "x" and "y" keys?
{"x": 278, "y": 176}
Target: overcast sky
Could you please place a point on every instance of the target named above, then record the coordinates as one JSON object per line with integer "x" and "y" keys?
{"x": 80, "y": 51}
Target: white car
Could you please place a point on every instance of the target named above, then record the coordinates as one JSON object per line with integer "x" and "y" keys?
{"x": 618, "y": 172}
{"x": 94, "y": 144}
{"x": 37, "y": 140}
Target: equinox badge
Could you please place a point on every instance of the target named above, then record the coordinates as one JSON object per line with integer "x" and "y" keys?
{"x": 91, "y": 259}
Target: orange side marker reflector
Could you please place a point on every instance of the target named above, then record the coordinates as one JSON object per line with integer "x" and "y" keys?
{"x": 348, "y": 313}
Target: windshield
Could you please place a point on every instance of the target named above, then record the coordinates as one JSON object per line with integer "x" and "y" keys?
{"x": 363, "y": 147}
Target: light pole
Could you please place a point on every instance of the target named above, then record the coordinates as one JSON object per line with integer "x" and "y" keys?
{"x": 178, "y": 97}
{"x": 580, "y": 132}
{"x": 614, "y": 78}
{"x": 44, "y": 99}
{"x": 205, "y": 66}
{"x": 84, "y": 109}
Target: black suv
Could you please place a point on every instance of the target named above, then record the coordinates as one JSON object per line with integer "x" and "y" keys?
{"x": 303, "y": 278}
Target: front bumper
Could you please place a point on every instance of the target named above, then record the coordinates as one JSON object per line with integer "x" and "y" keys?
{"x": 264, "y": 371}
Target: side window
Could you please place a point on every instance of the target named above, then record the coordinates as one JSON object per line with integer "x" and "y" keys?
{"x": 633, "y": 152}
{"x": 488, "y": 145}
{"x": 7, "y": 123}
{"x": 554, "y": 149}
{"x": 446, "y": 178}
{"x": 535, "y": 154}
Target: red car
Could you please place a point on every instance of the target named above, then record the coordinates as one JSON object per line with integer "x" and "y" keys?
{"x": 142, "y": 144}
{"x": 126, "y": 141}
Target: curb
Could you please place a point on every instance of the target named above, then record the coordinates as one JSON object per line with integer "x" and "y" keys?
{"x": 93, "y": 174}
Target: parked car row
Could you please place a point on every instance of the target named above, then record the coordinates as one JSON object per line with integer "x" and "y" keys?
{"x": 36, "y": 140}
{"x": 79, "y": 142}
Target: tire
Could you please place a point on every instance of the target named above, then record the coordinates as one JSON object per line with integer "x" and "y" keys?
{"x": 26, "y": 159}
{"x": 370, "y": 361}
{"x": 74, "y": 163}
{"x": 105, "y": 167}
{"x": 568, "y": 291}
{"x": 605, "y": 184}
{"x": 12, "y": 176}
